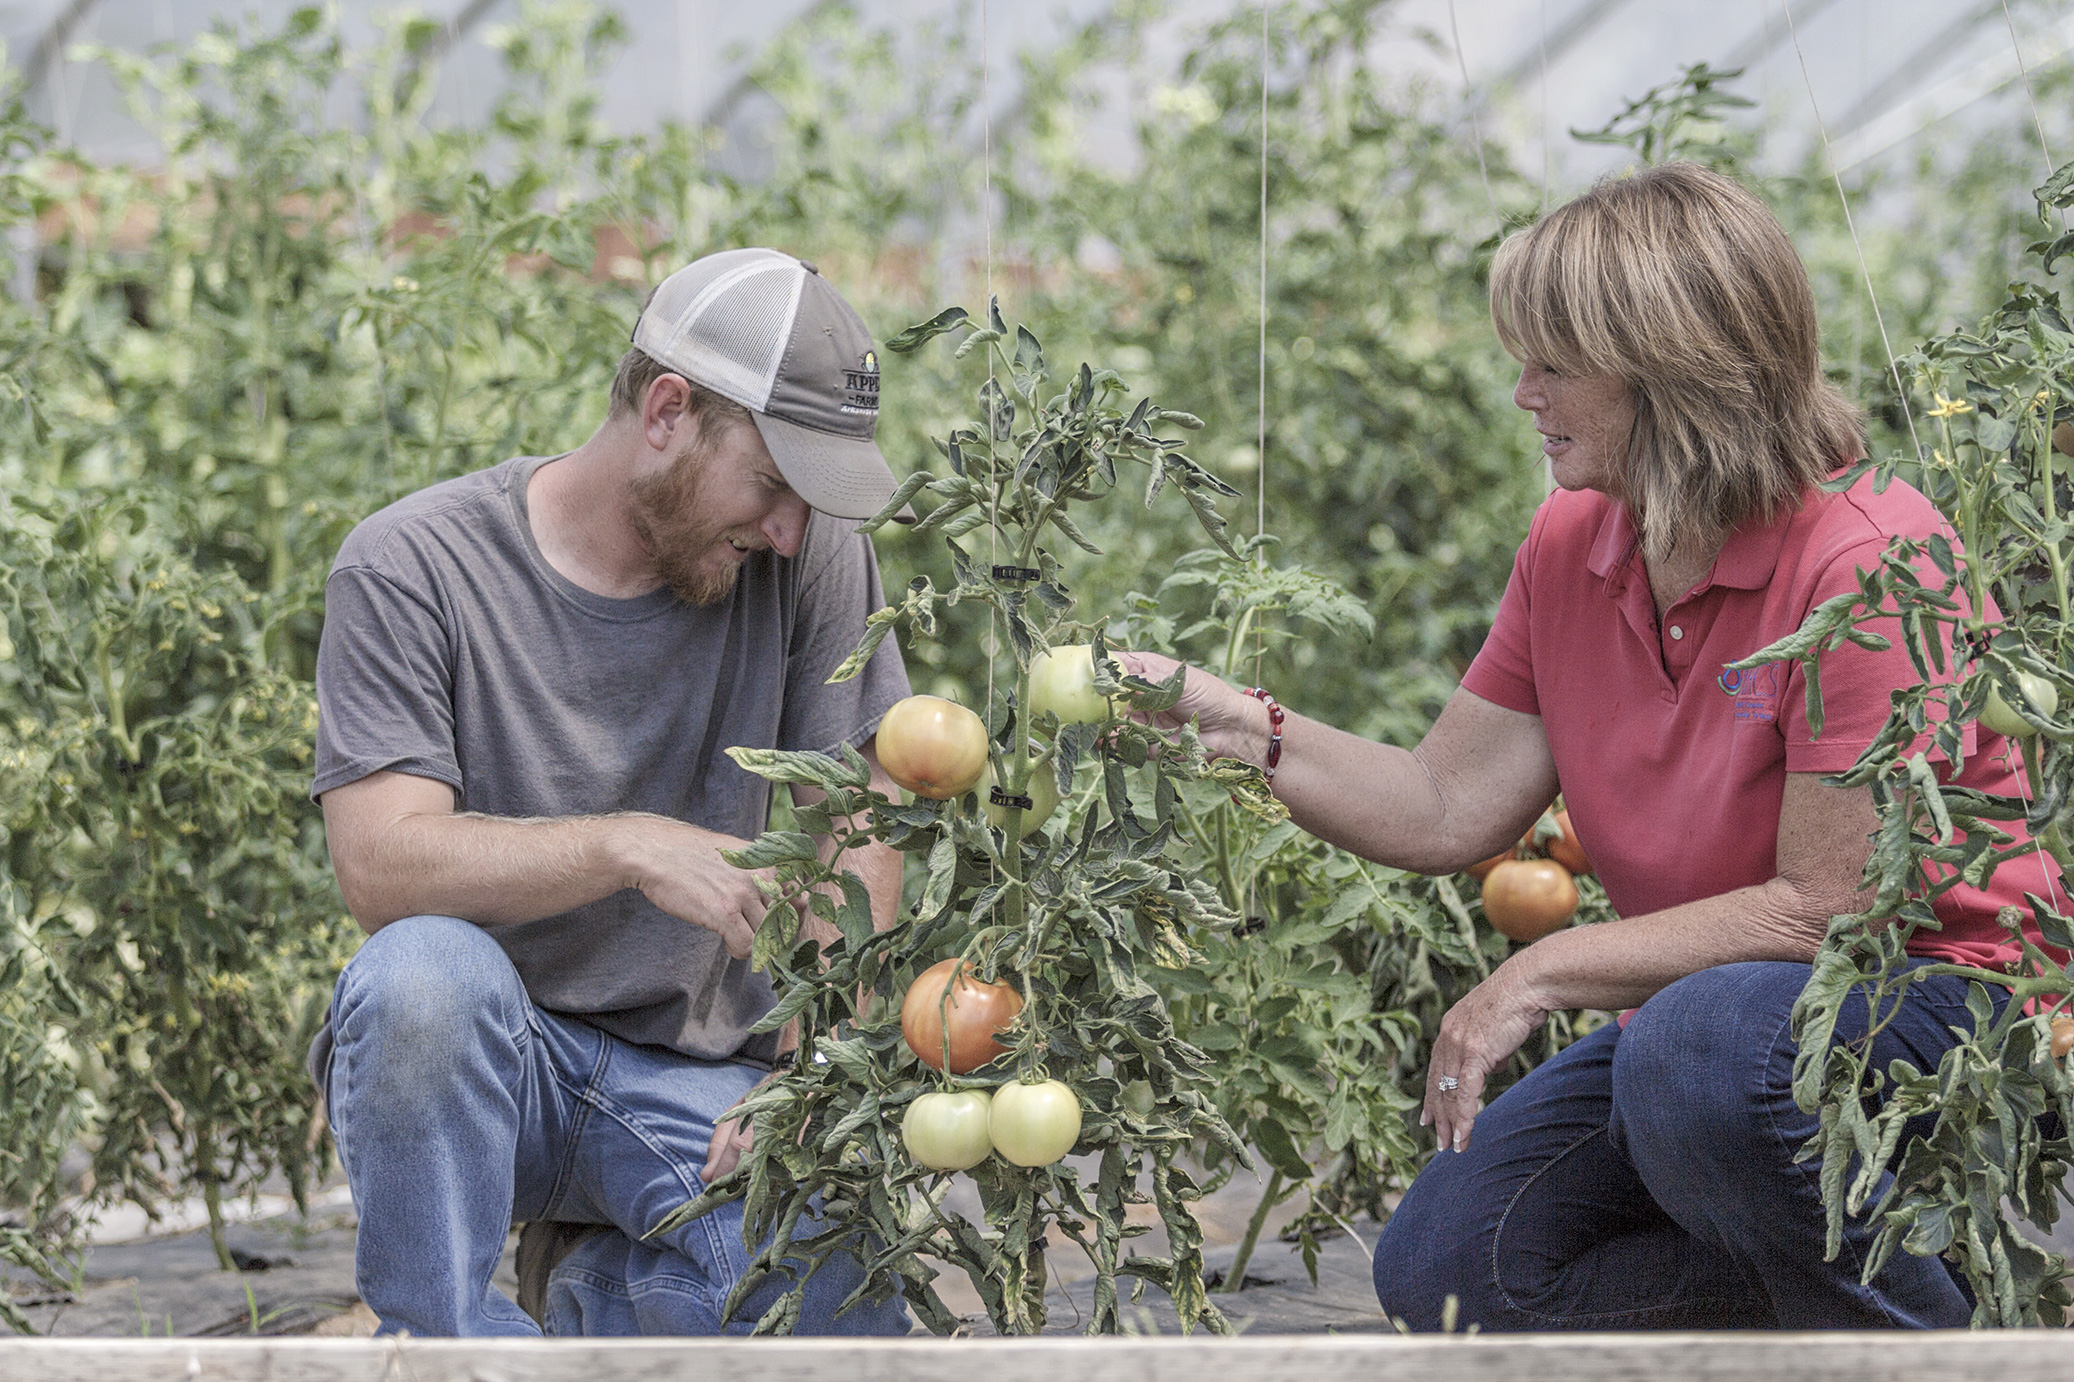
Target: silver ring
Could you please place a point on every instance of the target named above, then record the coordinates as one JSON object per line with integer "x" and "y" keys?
{"x": 1448, "y": 1084}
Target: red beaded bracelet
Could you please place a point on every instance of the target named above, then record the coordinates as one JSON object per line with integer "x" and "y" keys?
{"x": 1275, "y": 715}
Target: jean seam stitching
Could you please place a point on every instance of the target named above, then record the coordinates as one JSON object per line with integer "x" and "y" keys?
{"x": 566, "y": 1172}
{"x": 687, "y": 1177}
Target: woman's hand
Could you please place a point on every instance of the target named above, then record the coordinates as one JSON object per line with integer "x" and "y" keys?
{"x": 1232, "y": 723}
{"x": 1491, "y": 1021}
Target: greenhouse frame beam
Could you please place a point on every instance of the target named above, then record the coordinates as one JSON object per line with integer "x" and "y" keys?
{"x": 50, "y": 48}
{"x": 1565, "y": 36}
{"x": 1906, "y": 78}
{"x": 452, "y": 31}
{"x": 1760, "y": 44}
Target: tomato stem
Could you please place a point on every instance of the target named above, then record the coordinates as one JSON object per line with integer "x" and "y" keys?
{"x": 1235, "y": 1275}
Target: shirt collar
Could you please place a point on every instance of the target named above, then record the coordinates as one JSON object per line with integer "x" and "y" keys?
{"x": 1746, "y": 561}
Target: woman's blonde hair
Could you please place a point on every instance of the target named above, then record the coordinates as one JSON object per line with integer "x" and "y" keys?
{"x": 1682, "y": 284}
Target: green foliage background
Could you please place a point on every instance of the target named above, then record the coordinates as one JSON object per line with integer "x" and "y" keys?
{"x": 234, "y": 355}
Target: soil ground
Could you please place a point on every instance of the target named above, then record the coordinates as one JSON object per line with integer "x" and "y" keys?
{"x": 297, "y": 1277}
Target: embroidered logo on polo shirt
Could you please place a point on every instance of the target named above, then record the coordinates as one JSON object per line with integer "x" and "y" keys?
{"x": 1756, "y": 691}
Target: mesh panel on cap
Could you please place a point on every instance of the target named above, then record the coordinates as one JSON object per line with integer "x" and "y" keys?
{"x": 724, "y": 321}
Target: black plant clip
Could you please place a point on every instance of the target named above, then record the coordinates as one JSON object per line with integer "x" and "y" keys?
{"x": 1001, "y": 798}
{"x": 1252, "y": 926}
{"x": 1017, "y": 573}
{"x": 1978, "y": 640}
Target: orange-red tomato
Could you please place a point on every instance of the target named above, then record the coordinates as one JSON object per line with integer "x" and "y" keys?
{"x": 2062, "y": 1037}
{"x": 1526, "y": 899}
{"x": 1566, "y": 851}
{"x": 967, "y": 1013}
{"x": 933, "y": 747}
{"x": 1482, "y": 871}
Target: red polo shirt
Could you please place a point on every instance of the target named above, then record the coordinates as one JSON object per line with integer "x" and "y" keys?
{"x": 1672, "y": 767}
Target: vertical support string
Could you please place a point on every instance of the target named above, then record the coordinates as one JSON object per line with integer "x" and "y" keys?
{"x": 1544, "y": 108}
{"x": 986, "y": 213}
{"x": 1260, "y": 488}
{"x": 1475, "y": 126}
{"x": 1865, "y": 270}
{"x": 2037, "y": 121}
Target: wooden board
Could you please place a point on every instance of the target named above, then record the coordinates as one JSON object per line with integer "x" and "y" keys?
{"x": 1957, "y": 1356}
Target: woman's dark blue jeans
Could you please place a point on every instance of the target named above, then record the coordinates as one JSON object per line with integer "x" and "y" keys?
{"x": 1645, "y": 1179}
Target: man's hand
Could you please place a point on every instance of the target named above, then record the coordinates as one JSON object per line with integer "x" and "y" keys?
{"x": 678, "y": 867}
{"x": 732, "y": 1136}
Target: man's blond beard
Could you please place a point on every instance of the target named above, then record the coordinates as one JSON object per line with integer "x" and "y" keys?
{"x": 667, "y": 517}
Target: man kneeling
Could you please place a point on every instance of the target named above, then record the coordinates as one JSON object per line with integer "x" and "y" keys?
{"x": 527, "y": 683}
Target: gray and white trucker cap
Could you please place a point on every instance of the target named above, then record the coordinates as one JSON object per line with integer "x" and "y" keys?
{"x": 767, "y": 331}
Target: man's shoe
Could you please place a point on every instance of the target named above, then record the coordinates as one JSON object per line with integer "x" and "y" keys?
{"x": 541, "y": 1248}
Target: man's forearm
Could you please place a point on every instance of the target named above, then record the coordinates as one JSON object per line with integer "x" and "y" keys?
{"x": 493, "y": 870}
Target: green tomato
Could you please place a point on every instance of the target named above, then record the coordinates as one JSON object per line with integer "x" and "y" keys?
{"x": 1034, "y": 1124}
{"x": 1044, "y": 798}
{"x": 1062, "y": 681}
{"x": 1999, "y": 716}
{"x": 947, "y": 1131}
{"x": 1138, "y": 1098}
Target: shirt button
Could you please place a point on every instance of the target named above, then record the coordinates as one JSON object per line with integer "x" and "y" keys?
{"x": 1677, "y": 632}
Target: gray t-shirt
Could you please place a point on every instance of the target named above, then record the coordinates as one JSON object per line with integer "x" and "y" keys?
{"x": 453, "y": 650}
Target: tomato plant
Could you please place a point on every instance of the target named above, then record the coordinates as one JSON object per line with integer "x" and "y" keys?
{"x": 1034, "y": 1123}
{"x": 933, "y": 747}
{"x": 1075, "y": 921}
{"x": 1949, "y": 1148}
{"x": 951, "y": 1016}
{"x": 947, "y": 1130}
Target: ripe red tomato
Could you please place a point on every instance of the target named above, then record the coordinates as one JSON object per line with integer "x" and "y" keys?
{"x": 1062, "y": 681}
{"x": 975, "y": 1011}
{"x": 1526, "y": 899}
{"x": 947, "y": 1131}
{"x": 1567, "y": 851}
{"x": 933, "y": 747}
{"x": 2062, "y": 1037}
{"x": 1034, "y": 1124}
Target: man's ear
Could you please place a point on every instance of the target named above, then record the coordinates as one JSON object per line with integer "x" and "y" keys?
{"x": 665, "y": 423}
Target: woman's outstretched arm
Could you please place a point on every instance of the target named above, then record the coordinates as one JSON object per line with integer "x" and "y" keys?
{"x": 1474, "y": 784}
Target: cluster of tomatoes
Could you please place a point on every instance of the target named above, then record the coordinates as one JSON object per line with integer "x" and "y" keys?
{"x": 1531, "y": 890}
{"x": 938, "y": 749}
{"x": 952, "y": 1019}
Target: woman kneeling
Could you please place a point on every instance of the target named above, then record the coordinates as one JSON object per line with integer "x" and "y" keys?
{"x": 1645, "y": 1177}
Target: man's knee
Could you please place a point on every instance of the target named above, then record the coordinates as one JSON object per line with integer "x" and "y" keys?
{"x": 427, "y": 985}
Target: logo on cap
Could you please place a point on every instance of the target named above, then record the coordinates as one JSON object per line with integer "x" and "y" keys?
{"x": 861, "y": 385}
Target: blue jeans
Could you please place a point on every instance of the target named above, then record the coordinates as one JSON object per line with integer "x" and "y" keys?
{"x": 460, "y": 1107}
{"x": 1644, "y": 1179}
